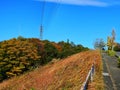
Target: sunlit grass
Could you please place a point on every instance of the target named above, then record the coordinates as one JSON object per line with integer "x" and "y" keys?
{"x": 66, "y": 74}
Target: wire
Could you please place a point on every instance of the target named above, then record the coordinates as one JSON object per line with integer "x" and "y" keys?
{"x": 43, "y": 11}
{"x": 42, "y": 18}
{"x": 56, "y": 7}
{"x": 43, "y": 15}
{"x": 52, "y": 11}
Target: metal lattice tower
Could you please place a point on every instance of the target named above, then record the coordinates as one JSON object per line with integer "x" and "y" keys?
{"x": 42, "y": 16}
{"x": 41, "y": 32}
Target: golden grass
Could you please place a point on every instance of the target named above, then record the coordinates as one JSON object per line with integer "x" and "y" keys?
{"x": 98, "y": 83}
{"x": 66, "y": 74}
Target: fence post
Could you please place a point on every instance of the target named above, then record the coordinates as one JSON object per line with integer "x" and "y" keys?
{"x": 92, "y": 72}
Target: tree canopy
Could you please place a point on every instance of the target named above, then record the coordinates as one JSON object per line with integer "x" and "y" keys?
{"x": 111, "y": 40}
{"x": 19, "y": 55}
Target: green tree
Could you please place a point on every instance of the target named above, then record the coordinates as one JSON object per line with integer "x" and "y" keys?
{"x": 50, "y": 52}
{"x": 70, "y": 48}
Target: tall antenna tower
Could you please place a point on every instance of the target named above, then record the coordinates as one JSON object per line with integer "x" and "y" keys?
{"x": 41, "y": 32}
{"x": 42, "y": 16}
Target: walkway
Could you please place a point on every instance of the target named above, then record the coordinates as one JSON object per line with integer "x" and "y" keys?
{"x": 111, "y": 73}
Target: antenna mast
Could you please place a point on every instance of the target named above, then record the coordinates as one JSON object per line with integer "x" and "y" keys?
{"x": 41, "y": 32}
{"x": 42, "y": 16}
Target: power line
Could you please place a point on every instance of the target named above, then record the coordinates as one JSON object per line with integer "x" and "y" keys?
{"x": 55, "y": 8}
{"x": 42, "y": 18}
{"x": 43, "y": 13}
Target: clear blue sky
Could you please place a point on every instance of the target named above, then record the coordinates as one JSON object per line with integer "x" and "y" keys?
{"x": 81, "y": 21}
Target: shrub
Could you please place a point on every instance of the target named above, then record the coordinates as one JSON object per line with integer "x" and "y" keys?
{"x": 111, "y": 53}
{"x": 50, "y": 52}
{"x": 117, "y": 47}
{"x": 16, "y": 57}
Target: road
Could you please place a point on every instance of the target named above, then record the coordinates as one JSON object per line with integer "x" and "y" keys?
{"x": 111, "y": 73}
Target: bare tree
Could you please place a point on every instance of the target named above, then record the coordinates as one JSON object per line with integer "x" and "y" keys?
{"x": 99, "y": 44}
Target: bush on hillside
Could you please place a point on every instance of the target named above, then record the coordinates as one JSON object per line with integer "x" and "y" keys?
{"x": 16, "y": 57}
{"x": 70, "y": 48}
{"x": 50, "y": 52}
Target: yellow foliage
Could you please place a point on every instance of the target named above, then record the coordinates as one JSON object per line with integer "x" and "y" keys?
{"x": 10, "y": 74}
{"x": 17, "y": 56}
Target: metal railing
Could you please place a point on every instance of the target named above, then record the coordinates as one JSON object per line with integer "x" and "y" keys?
{"x": 89, "y": 78}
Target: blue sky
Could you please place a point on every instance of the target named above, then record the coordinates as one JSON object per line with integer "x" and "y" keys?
{"x": 80, "y": 21}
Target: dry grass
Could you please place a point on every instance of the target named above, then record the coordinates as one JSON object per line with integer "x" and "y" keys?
{"x": 67, "y": 74}
{"x": 98, "y": 83}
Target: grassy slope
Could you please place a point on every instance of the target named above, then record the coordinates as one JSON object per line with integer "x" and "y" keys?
{"x": 98, "y": 83}
{"x": 67, "y": 74}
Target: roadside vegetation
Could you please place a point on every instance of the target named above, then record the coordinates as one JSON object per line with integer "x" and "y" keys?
{"x": 98, "y": 83}
{"x": 113, "y": 47}
{"x": 111, "y": 53}
{"x": 110, "y": 47}
{"x": 98, "y": 76}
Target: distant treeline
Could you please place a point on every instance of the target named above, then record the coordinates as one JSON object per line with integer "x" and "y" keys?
{"x": 19, "y": 55}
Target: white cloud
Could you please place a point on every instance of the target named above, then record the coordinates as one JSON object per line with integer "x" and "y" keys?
{"x": 80, "y": 2}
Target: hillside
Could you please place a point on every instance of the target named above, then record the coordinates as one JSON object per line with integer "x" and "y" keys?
{"x": 65, "y": 74}
{"x": 20, "y": 55}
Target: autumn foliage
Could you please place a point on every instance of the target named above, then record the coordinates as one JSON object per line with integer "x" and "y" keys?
{"x": 16, "y": 57}
{"x": 19, "y": 55}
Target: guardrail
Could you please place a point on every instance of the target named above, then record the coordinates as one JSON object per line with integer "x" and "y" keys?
{"x": 89, "y": 78}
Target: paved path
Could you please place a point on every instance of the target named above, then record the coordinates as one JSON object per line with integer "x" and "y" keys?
{"x": 111, "y": 73}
